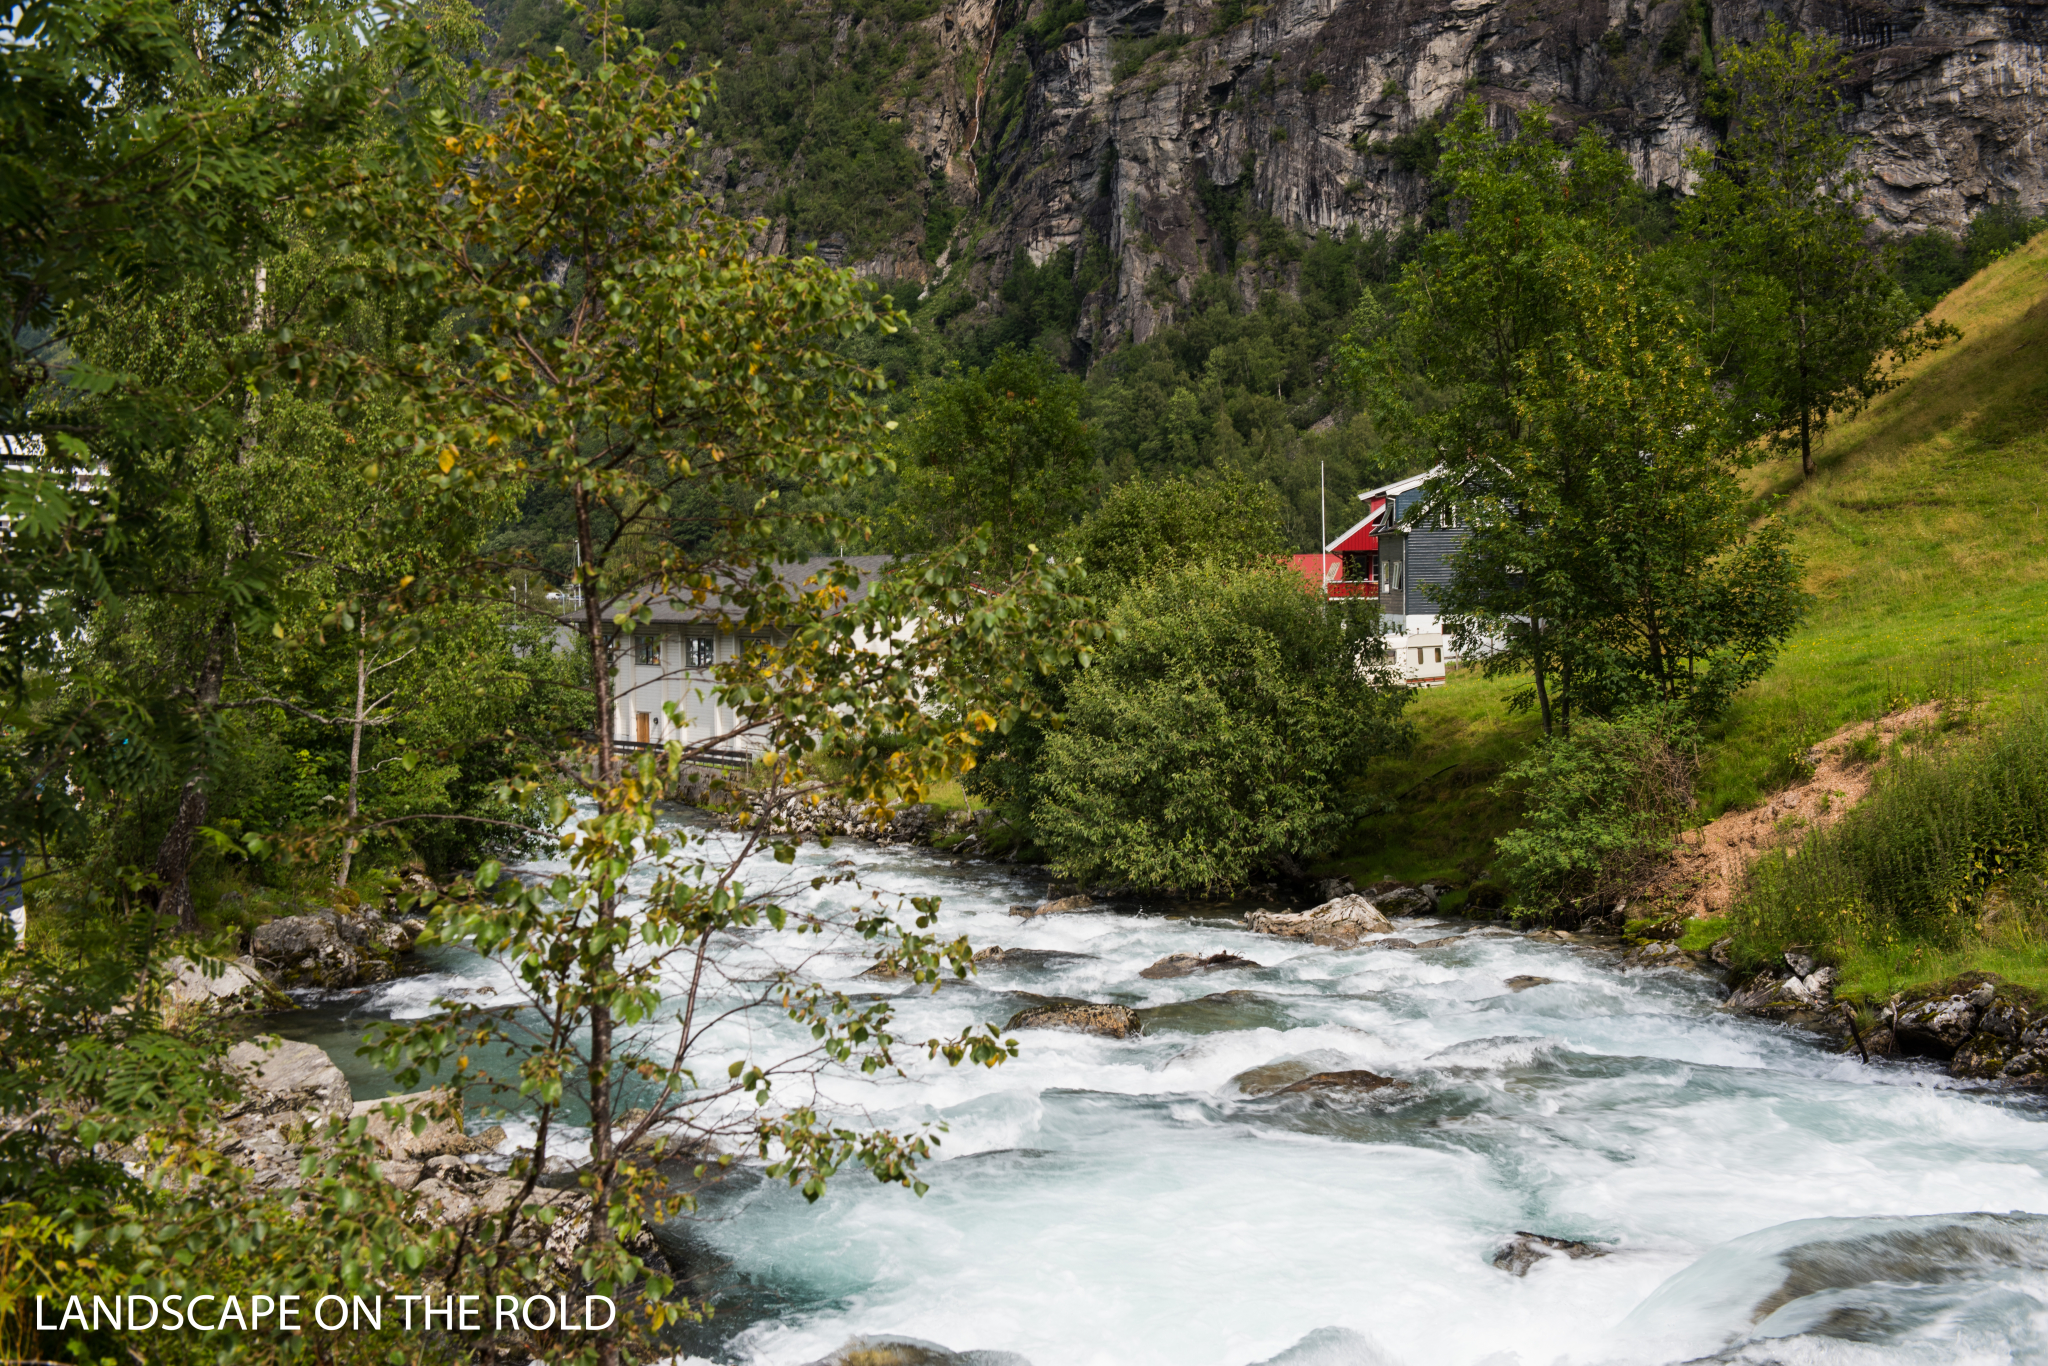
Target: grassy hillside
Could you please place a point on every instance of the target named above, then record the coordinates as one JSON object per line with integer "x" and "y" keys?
{"x": 1925, "y": 537}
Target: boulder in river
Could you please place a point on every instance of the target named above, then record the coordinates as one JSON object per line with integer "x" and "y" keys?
{"x": 1527, "y": 1249}
{"x": 1086, "y": 1017}
{"x": 280, "y": 1076}
{"x": 1190, "y": 964}
{"x": 1355, "y": 1081}
{"x": 1658, "y": 953}
{"x": 286, "y": 1086}
{"x": 1524, "y": 982}
{"x": 895, "y": 1351}
{"x": 440, "y": 1132}
{"x": 1807, "y": 1000}
{"x": 329, "y": 948}
{"x": 1063, "y": 906}
{"x": 232, "y": 989}
{"x": 1269, "y": 1077}
{"x": 1939, "y": 1025}
{"x": 1402, "y": 898}
{"x": 1341, "y": 923}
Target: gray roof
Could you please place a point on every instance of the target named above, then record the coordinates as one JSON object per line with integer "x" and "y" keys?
{"x": 869, "y": 567}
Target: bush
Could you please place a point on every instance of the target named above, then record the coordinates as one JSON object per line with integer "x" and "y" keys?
{"x": 1918, "y": 860}
{"x": 1211, "y": 744}
{"x": 1601, "y": 808}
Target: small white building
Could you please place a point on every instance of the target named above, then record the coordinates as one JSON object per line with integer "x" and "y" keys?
{"x": 662, "y": 684}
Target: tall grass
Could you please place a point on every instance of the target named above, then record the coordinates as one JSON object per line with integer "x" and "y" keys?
{"x": 1945, "y": 840}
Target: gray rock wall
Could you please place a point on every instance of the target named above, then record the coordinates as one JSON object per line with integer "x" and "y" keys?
{"x": 1295, "y": 108}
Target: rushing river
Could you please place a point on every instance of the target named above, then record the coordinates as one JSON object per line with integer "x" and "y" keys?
{"x": 1105, "y": 1201}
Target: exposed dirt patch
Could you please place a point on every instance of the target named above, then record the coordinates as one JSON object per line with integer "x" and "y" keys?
{"x": 1707, "y": 868}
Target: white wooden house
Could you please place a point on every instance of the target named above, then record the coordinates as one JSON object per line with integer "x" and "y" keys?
{"x": 670, "y": 661}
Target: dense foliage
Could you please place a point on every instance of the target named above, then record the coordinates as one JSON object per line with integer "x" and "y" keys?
{"x": 1209, "y": 745}
{"x": 312, "y": 663}
{"x": 1601, "y": 808}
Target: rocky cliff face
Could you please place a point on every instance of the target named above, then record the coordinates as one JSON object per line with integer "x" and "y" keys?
{"x": 1154, "y": 132}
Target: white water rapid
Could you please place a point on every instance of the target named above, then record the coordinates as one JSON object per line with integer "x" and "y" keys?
{"x": 1101, "y": 1201}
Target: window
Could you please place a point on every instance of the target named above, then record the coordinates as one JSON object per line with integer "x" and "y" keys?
{"x": 1439, "y": 654}
{"x": 647, "y": 649}
{"x": 1361, "y": 566}
{"x": 697, "y": 651}
{"x": 1392, "y": 576}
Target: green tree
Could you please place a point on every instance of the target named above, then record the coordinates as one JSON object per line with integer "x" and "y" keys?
{"x": 1211, "y": 743}
{"x": 1602, "y": 807}
{"x": 1147, "y": 527}
{"x": 1806, "y": 310}
{"x": 1578, "y": 436}
{"x": 1142, "y": 529}
{"x": 665, "y": 365}
{"x": 1001, "y": 448}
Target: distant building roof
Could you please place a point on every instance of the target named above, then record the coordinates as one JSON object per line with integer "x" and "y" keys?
{"x": 794, "y": 574}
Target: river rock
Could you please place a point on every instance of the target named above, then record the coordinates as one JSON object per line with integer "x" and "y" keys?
{"x": 2005, "y": 1035}
{"x": 440, "y": 1133}
{"x": 1269, "y": 1077}
{"x": 1527, "y": 1249}
{"x": 329, "y": 948}
{"x": 237, "y": 987}
{"x": 1806, "y": 1001}
{"x": 1085, "y": 1017}
{"x": 1395, "y": 943}
{"x": 1341, "y": 923}
{"x": 895, "y": 1351}
{"x": 1445, "y": 942}
{"x": 1065, "y": 905}
{"x": 1355, "y": 1080}
{"x": 1524, "y": 982}
{"x": 1938, "y": 1026}
{"x": 282, "y": 1076}
{"x": 1401, "y": 898}
{"x": 1331, "y": 888}
{"x": 1190, "y": 964}
{"x": 1657, "y": 954}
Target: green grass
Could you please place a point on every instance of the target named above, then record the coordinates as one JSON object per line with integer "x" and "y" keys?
{"x": 1925, "y": 536}
{"x": 1444, "y": 814}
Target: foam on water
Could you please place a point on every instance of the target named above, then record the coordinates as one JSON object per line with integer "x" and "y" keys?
{"x": 1106, "y": 1201}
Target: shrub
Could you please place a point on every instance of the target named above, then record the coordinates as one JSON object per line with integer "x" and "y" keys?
{"x": 1917, "y": 860}
{"x": 1600, "y": 810}
{"x": 1211, "y": 744}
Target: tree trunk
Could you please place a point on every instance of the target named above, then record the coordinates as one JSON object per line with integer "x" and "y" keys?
{"x": 1806, "y": 443}
{"x": 174, "y": 854}
{"x": 1542, "y": 674}
{"x": 600, "y": 656}
{"x": 355, "y": 754}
